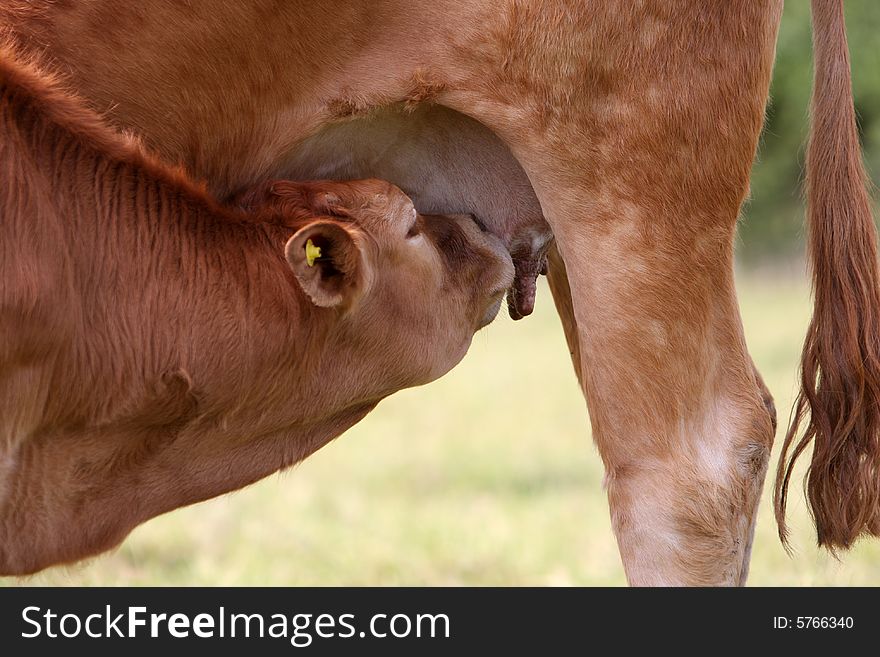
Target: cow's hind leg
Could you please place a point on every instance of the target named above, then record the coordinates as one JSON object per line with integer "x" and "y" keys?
{"x": 678, "y": 413}
{"x": 637, "y": 133}
{"x": 697, "y": 497}
{"x": 561, "y": 291}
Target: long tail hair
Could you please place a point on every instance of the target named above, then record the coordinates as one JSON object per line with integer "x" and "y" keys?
{"x": 839, "y": 402}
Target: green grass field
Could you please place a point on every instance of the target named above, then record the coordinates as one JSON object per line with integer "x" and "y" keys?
{"x": 487, "y": 477}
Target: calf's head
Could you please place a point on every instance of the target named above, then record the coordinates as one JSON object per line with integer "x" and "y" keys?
{"x": 405, "y": 291}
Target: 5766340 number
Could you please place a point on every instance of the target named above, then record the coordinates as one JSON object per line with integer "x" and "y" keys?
{"x": 813, "y": 622}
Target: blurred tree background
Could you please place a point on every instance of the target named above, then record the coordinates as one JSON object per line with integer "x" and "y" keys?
{"x": 772, "y": 224}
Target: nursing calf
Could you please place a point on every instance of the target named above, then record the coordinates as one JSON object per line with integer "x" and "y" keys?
{"x": 157, "y": 349}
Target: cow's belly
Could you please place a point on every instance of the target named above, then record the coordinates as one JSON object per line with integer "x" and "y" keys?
{"x": 448, "y": 164}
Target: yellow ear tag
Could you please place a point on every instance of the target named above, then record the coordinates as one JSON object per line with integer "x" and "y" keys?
{"x": 312, "y": 253}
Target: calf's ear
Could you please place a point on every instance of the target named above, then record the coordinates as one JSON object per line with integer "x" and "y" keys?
{"x": 329, "y": 262}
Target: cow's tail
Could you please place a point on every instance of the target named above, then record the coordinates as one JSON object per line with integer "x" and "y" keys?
{"x": 838, "y": 405}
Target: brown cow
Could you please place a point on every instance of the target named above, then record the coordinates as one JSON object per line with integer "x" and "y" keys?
{"x": 630, "y": 126}
{"x": 157, "y": 350}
